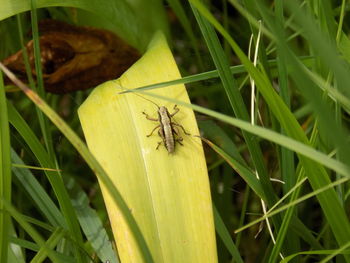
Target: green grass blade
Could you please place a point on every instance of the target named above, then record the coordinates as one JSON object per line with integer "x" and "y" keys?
{"x": 186, "y": 24}
{"x": 29, "y": 229}
{"x": 13, "y": 258}
{"x": 262, "y": 51}
{"x": 24, "y": 52}
{"x": 88, "y": 218}
{"x": 54, "y": 177}
{"x": 211, "y": 131}
{"x": 216, "y": 134}
{"x": 342, "y": 250}
{"x": 312, "y": 252}
{"x": 304, "y": 149}
{"x": 295, "y": 202}
{"x": 36, "y": 48}
{"x": 283, "y": 232}
{"x": 286, "y": 156}
{"x": 5, "y": 172}
{"x": 316, "y": 173}
{"x": 68, "y": 211}
{"x": 308, "y": 61}
{"x": 305, "y": 233}
{"x": 328, "y": 54}
{"x": 37, "y": 193}
{"x": 55, "y": 237}
{"x": 344, "y": 46}
{"x": 241, "y": 169}
{"x": 225, "y": 236}
{"x": 40, "y": 82}
{"x": 15, "y": 253}
{"x": 236, "y": 101}
{"x": 35, "y": 248}
{"x": 91, "y": 224}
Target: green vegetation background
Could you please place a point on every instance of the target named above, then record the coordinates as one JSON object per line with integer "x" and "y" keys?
{"x": 302, "y": 102}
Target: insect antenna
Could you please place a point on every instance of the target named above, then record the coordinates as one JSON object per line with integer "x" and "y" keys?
{"x": 146, "y": 99}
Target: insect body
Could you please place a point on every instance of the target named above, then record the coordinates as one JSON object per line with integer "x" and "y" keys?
{"x": 167, "y": 128}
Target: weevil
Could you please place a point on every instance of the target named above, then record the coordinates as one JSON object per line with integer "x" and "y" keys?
{"x": 167, "y": 128}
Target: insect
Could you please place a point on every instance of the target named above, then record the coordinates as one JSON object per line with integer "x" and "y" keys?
{"x": 167, "y": 128}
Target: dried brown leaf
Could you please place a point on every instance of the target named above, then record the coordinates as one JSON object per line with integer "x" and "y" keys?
{"x": 75, "y": 58}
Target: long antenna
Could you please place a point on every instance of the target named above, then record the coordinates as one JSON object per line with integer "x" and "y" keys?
{"x": 144, "y": 98}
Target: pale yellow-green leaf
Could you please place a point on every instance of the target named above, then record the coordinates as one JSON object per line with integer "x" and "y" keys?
{"x": 168, "y": 194}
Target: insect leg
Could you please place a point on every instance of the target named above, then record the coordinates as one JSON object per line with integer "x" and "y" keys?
{"x": 179, "y": 140}
{"x": 161, "y": 133}
{"x": 175, "y": 130}
{"x": 148, "y": 117}
{"x": 159, "y": 143}
{"x": 153, "y": 130}
{"x": 176, "y": 110}
{"x": 178, "y": 125}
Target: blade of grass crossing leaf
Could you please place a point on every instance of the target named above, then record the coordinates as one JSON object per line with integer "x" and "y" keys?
{"x": 5, "y": 172}
{"x": 225, "y": 236}
{"x": 236, "y": 101}
{"x": 316, "y": 173}
{"x": 308, "y": 61}
{"x": 303, "y": 149}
